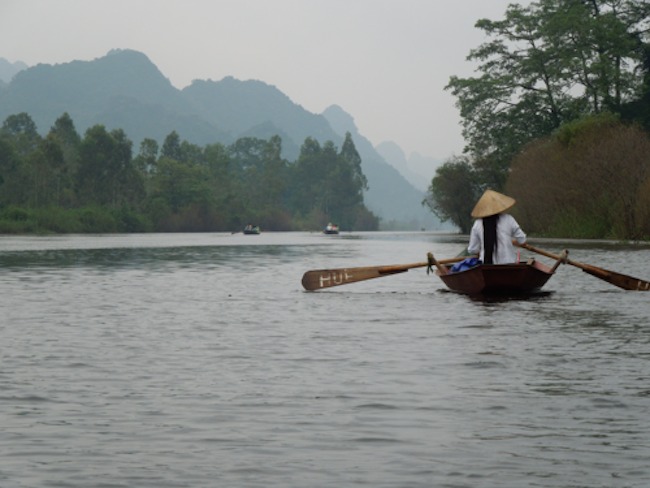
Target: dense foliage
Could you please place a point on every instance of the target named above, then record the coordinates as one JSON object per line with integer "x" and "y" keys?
{"x": 552, "y": 63}
{"x": 590, "y": 179}
{"x": 67, "y": 183}
{"x": 452, "y": 192}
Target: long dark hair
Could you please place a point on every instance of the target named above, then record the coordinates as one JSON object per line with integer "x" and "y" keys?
{"x": 490, "y": 238}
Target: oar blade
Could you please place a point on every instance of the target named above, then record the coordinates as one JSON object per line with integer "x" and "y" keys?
{"x": 326, "y": 278}
{"x": 617, "y": 279}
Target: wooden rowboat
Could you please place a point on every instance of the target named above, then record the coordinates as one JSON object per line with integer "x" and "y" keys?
{"x": 252, "y": 230}
{"x": 331, "y": 229}
{"x": 506, "y": 279}
{"x": 498, "y": 279}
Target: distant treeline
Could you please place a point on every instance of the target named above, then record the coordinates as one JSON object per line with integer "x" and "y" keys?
{"x": 66, "y": 183}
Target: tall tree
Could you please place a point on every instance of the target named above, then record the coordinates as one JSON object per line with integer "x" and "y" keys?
{"x": 350, "y": 155}
{"x": 9, "y": 163}
{"x": 547, "y": 64}
{"x": 22, "y": 142}
{"x": 223, "y": 185}
{"x": 247, "y": 156}
{"x": 328, "y": 184}
{"x": 147, "y": 157}
{"x": 171, "y": 147}
{"x": 46, "y": 168}
{"x": 64, "y": 133}
{"x": 105, "y": 175}
{"x": 23, "y": 132}
{"x": 274, "y": 175}
{"x": 453, "y": 192}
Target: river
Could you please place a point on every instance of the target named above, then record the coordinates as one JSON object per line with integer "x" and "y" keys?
{"x": 197, "y": 360}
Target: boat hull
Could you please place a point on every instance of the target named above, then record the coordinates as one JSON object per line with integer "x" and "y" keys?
{"x": 332, "y": 229}
{"x": 248, "y": 230}
{"x": 499, "y": 279}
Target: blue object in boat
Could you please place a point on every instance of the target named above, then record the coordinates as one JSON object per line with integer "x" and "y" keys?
{"x": 465, "y": 264}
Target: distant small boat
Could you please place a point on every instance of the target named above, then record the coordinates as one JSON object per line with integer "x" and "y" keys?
{"x": 252, "y": 229}
{"x": 331, "y": 229}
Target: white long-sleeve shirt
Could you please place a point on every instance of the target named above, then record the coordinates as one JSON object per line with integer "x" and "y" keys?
{"x": 507, "y": 229}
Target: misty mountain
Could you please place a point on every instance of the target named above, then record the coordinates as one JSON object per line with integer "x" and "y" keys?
{"x": 247, "y": 108}
{"x": 417, "y": 169}
{"x": 8, "y": 70}
{"x": 120, "y": 90}
{"x": 125, "y": 90}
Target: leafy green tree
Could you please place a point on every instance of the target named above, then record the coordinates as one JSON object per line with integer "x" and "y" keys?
{"x": 46, "y": 167}
{"x": 147, "y": 157}
{"x": 224, "y": 187}
{"x": 260, "y": 180}
{"x": 547, "y": 64}
{"x": 106, "y": 174}
{"x": 22, "y": 139}
{"x": 309, "y": 178}
{"x": 350, "y": 155}
{"x": 171, "y": 147}
{"x": 453, "y": 193}
{"x": 65, "y": 135}
{"x": 191, "y": 153}
{"x": 21, "y": 129}
{"x": 181, "y": 197}
{"x": 175, "y": 182}
{"x": 247, "y": 156}
{"x": 328, "y": 184}
{"x": 9, "y": 162}
{"x": 274, "y": 184}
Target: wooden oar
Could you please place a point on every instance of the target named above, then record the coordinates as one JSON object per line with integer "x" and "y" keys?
{"x": 325, "y": 278}
{"x": 617, "y": 279}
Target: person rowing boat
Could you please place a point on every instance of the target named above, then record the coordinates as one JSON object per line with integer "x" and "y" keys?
{"x": 494, "y": 230}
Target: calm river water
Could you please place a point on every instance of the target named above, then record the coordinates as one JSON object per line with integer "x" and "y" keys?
{"x": 197, "y": 360}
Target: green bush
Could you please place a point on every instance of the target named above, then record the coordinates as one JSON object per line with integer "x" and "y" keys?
{"x": 16, "y": 214}
{"x": 574, "y": 226}
{"x": 96, "y": 220}
{"x": 131, "y": 221}
{"x": 58, "y": 220}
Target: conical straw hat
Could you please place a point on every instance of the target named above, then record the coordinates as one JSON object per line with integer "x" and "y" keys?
{"x": 492, "y": 203}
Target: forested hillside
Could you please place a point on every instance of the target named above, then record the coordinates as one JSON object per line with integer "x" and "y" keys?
{"x": 64, "y": 182}
{"x": 125, "y": 91}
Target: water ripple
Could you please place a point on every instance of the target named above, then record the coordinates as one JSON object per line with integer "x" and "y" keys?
{"x": 197, "y": 360}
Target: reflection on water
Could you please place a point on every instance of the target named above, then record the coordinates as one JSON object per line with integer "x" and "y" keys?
{"x": 198, "y": 360}
{"x": 538, "y": 295}
{"x": 144, "y": 257}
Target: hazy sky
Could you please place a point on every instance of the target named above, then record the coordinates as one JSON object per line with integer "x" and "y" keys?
{"x": 385, "y": 62}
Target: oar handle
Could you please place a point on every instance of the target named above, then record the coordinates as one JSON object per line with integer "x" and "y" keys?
{"x": 559, "y": 257}
{"x": 396, "y": 268}
{"x": 399, "y": 268}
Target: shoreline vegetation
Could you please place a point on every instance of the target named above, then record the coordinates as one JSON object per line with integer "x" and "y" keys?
{"x": 65, "y": 183}
{"x": 557, "y": 117}
{"x": 588, "y": 180}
